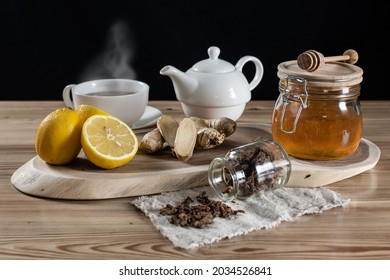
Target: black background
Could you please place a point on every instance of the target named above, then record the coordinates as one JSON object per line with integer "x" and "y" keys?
{"x": 46, "y": 45}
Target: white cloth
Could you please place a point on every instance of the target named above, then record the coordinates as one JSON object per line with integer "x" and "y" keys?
{"x": 262, "y": 211}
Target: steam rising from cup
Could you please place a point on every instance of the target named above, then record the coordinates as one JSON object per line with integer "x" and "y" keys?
{"x": 115, "y": 60}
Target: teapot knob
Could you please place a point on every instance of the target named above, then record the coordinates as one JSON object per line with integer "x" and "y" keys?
{"x": 213, "y": 52}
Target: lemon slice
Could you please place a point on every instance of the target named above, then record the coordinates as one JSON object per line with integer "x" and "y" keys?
{"x": 108, "y": 142}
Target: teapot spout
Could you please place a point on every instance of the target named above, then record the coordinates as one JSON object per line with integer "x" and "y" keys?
{"x": 183, "y": 84}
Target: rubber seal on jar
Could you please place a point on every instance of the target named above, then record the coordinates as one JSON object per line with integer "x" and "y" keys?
{"x": 287, "y": 100}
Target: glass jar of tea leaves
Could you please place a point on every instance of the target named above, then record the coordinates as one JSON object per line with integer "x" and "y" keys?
{"x": 249, "y": 169}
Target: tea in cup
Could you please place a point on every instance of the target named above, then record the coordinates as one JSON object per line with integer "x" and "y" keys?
{"x": 123, "y": 98}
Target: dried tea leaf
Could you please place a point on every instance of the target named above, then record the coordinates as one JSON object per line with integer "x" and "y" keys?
{"x": 200, "y": 215}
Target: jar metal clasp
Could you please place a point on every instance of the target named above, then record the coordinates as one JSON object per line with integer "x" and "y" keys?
{"x": 287, "y": 100}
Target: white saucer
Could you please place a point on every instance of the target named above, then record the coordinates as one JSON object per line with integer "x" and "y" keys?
{"x": 149, "y": 118}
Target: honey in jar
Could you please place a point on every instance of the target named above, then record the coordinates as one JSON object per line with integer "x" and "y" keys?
{"x": 317, "y": 115}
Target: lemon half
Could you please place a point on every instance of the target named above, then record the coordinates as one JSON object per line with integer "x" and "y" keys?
{"x": 108, "y": 142}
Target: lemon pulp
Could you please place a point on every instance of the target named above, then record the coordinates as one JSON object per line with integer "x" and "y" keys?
{"x": 108, "y": 142}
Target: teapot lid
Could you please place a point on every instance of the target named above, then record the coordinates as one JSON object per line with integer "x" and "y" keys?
{"x": 213, "y": 64}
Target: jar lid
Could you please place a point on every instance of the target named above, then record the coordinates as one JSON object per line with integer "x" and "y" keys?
{"x": 330, "y": 75}
{"x": 213, "y": 64}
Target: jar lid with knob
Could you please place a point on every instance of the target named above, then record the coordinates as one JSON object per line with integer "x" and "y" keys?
{"x": 323, "y": 72}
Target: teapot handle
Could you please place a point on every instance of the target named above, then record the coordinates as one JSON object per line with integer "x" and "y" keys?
{"x": 259, "y": 69}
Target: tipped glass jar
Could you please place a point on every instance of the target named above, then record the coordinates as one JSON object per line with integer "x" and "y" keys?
{"x": 249, "y": 169}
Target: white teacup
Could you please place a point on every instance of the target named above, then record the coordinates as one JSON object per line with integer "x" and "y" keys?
{"x": 123, "y": 98}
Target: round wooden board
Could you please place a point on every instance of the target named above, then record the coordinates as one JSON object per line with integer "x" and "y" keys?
{"x": 160, "y": 172}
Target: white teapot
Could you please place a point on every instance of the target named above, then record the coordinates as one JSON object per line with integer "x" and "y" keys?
{"x": 213, "y": 87}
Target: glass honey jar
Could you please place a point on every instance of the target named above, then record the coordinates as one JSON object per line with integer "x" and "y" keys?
{"x": 317, "y": 115}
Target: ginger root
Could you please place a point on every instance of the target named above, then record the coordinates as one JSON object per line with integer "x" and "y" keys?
{"x": 223, "y": 125}
{"x": 212, "y": 132}
{"x": 208, "y": 138}
{"x": 152, "y": 142}
{"x": 184, "y": 137}
{"x": 168, "y": 126}
{"x": 185, "y": 140}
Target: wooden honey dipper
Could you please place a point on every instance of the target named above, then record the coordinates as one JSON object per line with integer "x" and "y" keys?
{"x": 311, "y": 60}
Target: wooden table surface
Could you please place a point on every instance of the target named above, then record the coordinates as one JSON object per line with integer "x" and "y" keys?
{"x": 36, "y": 228}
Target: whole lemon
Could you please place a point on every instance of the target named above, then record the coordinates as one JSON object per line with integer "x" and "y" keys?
{"x": 58, "y": 139}
{"x": 86, "y": 111}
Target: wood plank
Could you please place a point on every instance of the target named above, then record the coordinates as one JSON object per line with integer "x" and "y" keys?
{"x": 35, "y": 228}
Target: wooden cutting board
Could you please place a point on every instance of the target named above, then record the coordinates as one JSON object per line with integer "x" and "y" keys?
{"x": 160, "y": 172}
